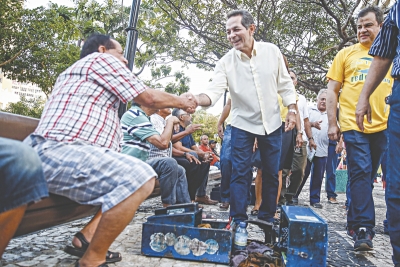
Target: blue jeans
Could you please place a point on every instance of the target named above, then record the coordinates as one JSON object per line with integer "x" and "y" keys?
{"x": 217, "y": 164}
{"x": 392, "y": 194}
{"x": 364, "y": 152}
{"x": 226, "y": 164}
{"x": 172, "y": 178}
{"x": 21, "y": 175}
{"x": 331, "y": 166}
{"x": 317, "y": 169}
{"x": 242, "y": 150}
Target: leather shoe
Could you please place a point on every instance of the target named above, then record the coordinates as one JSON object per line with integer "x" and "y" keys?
{"x": 224, "y": 205}
{"x": 206, "y": 200}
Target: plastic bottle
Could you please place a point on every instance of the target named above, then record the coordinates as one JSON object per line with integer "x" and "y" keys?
{"x": 241, "y": 235}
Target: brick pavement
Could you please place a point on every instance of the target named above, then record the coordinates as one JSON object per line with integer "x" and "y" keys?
{"x": 45, "y": 248}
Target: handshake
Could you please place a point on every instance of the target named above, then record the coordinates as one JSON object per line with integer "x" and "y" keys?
{"x": 189, "y": 102}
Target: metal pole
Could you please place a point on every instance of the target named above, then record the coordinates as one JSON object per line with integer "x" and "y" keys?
{"x": 131, "y": 43}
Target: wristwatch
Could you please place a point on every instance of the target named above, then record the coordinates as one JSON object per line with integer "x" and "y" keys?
{"x": 184, "y": 154}
{"x": 293, "y": 111}
{"x": 311, "y": 138}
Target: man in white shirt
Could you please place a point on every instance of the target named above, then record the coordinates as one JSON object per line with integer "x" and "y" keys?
{"x": 255, "y": 74}
{"x": 319, "y": 123}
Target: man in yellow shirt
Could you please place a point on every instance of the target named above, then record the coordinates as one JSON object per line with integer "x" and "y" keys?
{"x": 364, "y": 149}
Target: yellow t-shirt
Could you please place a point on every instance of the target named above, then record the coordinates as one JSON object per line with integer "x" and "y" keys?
{"x": 350, "y": 67}
{"x": 284, "y": 110}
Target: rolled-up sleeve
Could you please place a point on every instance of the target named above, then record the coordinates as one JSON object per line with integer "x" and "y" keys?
{"x": 218, "y": 85}
{"x": 285, "y": 85}
{"x": 385, "y": 43}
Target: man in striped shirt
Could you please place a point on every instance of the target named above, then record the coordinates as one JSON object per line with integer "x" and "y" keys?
{"x": 78, "y": 142}
{"x": 139, "y": 136}
{"x": 386, "y": 49}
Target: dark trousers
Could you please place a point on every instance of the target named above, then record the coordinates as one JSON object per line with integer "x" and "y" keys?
{"x": 242, "y": 149}
{"x": 392, "y": 194}
{"x": 364, "y": 152}
{"x": 298, "y": 168}
{"x": 317, "y": 169}
{"x": 226, "y": 164}
{"x": 196, "y": 174}
{"x": 331, "y": 165}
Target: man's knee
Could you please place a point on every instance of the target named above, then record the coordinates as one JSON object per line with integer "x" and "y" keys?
{"x": 148, "y": 187}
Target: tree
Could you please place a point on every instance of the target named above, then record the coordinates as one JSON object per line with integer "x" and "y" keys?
{"x": 36, "y": 44}
{"x": 26, "y": 107}
{"x": 209, "y": 122}
{"x": 308, "y": 32}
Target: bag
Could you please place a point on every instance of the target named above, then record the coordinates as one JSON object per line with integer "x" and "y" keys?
{"x": 256, "y": 159}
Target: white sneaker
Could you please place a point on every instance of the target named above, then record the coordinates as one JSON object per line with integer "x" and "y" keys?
{"x": 333, "y": 200}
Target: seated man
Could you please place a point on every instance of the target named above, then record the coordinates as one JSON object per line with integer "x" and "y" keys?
{"x": 197, "y": 178}
{"x": 78, "y": 141}
{"x": 204, "y": 146}
{"x": 139, "y": 133}
{"x": 21, "y": 183}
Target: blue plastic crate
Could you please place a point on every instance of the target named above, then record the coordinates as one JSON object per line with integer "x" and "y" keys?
{"x": 305, "y": 237}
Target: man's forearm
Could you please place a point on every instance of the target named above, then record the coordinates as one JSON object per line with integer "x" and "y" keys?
{"x": 157, "y": 99}
{"x": 225, "y": 113}
{"x": 331, "y": 103}
{"x": 307, "y": 128}
{"x": 377, "y": 71}
{"x": 178, "y": 136}
{"x": 203, "y": 100}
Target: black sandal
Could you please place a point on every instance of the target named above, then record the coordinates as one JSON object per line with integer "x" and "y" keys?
{"x": 110, "y": 257}
{"x": 254, "y": 212}
{"x": 101, "y": 265}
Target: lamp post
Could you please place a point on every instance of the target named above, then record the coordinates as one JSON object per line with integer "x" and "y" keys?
{"x": 131, "y": 43}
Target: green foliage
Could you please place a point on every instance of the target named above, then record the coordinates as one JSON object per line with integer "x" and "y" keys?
{"x": 26, "y": 107}
{"x": 178, "y": 81}
{"x": 209, "y": 122}
{"x": 308, "y": 32}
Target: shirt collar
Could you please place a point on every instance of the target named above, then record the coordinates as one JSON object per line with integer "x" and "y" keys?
{"x": 240, "y": 54}
{"x": 315, "y": 108}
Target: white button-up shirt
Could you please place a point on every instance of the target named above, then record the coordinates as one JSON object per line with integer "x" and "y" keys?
{"x": 254, "y": 84}
{"x": 303, "y": 112}
{"x": 320, "y": 136}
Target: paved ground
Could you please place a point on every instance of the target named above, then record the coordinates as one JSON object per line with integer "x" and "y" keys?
{"x": 45, "y": 248}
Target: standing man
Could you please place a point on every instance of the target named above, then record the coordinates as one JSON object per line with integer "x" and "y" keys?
{"x": 254, "y": 88}
{"x": 226, "y": 158}
{"x": 300, "y": 153}
{"x": 319, "y": 123}
{"x": 385, "y": 50}
{"x": 364, "y": 149}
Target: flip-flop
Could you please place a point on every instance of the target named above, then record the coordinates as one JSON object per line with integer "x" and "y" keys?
{"x": 110, "y": 257}
{"x": 254, "y": 212}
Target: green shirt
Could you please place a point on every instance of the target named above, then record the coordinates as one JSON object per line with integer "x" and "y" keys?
{"x": 136, "y": 127}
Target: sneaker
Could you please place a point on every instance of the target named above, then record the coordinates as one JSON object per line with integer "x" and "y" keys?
{"x": 317, "y": 205}
{"x": 351, "y": 233}
{"x": 206, "y": 200}
{"x": 333, "y": 200}
{"x": 363, "y": 239}
{"x": 295, "y": 200}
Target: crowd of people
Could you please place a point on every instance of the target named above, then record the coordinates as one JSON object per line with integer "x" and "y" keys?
{"x": 82, "y": 150}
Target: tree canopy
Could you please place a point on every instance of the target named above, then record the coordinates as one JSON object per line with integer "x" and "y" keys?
{"x": 308, "y": 32}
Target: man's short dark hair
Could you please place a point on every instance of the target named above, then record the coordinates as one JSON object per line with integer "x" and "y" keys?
{"x": 92, "y": 44}
{"x": 374, "y": 9}
{"x": 247, "y": 18}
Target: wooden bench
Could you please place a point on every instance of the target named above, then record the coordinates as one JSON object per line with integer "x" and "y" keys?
{"x": 55, "y": 209}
